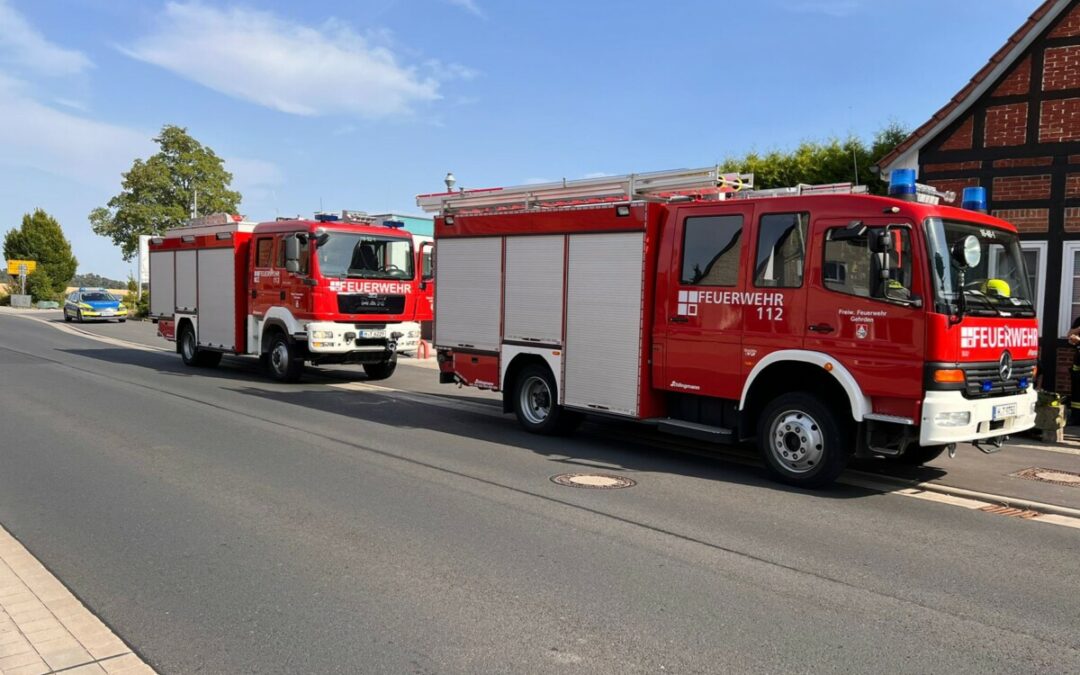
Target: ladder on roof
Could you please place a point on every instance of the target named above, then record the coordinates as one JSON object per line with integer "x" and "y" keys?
{"x": 705, "y": 182}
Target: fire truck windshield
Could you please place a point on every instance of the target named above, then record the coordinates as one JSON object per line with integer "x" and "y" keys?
{"x": 363, "y": 256}
{"x": 997, "y": 286}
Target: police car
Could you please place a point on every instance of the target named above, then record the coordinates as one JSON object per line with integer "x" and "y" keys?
{"x": 93, "y": 303}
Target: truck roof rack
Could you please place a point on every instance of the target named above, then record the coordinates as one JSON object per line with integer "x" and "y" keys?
{"x": 707, "y": 182}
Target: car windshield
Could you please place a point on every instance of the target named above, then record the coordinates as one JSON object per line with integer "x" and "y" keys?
{"x": 997, "y": 286}
{"x": 98, "y": 296}
{"x": 364, "y": 256}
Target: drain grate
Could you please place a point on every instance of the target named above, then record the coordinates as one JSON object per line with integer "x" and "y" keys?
{"x": 1010, "y": 511}
{"x": 593, "y": 481}
{"x": 1055, "y": 476}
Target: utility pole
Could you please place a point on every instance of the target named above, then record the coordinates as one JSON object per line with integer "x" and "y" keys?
{"x": 195, "y": 203}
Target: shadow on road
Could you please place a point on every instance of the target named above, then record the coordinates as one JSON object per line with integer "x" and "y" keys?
{"x": 600, "y": 444}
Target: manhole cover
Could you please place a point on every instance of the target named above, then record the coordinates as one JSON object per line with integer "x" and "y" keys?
{"x": 595, "y": 481}
{"x": 1055, "y": 476}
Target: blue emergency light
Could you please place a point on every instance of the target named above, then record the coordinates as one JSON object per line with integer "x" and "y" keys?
{"x": 974, "y": 199}
{"x": 1023, "y": 383}
{"x": 987, "y": 385}
{"x": 393, "y": 223}
{"x": 327, "y": 217}
{"x": 902, "y": 184}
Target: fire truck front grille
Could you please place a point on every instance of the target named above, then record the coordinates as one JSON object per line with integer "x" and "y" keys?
{"x": 357, "y": 303}
{"x": 979, "y": 374}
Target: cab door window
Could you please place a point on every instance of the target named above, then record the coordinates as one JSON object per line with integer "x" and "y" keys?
{"x": 305, "y": 254}
{"x": 711, "y": 250}
{"x": 264, "y": 252}
{"x": 850, "y": 265}
{"x": 781, "y": 250}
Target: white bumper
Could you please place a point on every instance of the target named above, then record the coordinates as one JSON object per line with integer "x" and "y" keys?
{"x": 328, "y": 337}
{"x": 979, "y": 426}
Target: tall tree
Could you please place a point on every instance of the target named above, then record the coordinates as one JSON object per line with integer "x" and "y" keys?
{"x": 40, "y": 238}
{"x": 815, "y": 162}
{"x": 159, "y": 193}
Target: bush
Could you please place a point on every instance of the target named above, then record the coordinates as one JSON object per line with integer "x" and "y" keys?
{"x": 40, "y": 286}
{"x": 137, "y": 308}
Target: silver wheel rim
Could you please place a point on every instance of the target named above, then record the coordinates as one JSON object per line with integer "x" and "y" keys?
{"x": 189, "y": 345}
{"x": 279, "y": 357}
{"x": 535, "y": 401}
{"x": 796, "y": 441}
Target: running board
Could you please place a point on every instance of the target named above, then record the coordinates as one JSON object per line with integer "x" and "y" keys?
{"x": 700, "y": 432}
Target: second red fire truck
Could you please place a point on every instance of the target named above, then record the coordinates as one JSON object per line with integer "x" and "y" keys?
{"x": 818, "y": 321}
{"x": 333, "y": 289}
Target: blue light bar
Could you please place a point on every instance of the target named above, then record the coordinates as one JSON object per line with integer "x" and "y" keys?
{"x": 974, "y": 199}
{"x": 393, "y": 223}
{"x": 327, "y": 217}
{"x": 902, "y": 184}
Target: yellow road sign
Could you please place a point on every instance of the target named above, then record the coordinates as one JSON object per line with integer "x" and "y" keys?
{"x": 14, "y": 265}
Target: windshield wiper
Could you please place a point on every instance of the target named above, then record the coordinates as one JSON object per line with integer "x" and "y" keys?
{"x": 987, "y": 302}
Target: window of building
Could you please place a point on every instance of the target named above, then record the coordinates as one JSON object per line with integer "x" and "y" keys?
{"x": 264, "y": 252}
{"x": 1034, "y": 253}
{"x": 851, "y": 267}
{"x": 781, "y": 250}
{"x": 711, "y": 250}
{"x": 1070, "y": 286}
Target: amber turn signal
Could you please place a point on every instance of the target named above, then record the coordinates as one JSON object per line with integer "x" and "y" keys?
{"x": 953, "y": 376}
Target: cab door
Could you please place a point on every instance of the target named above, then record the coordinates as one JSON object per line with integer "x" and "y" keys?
{"x": 265, "y": 289}
{"x": 703, "y": 339}
{"x": 865, "y": 307}
{"x": 774, "y": 308}
{"x": 294, "y": 290}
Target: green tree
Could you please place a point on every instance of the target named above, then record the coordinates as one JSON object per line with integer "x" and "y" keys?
{"x": 40, "y": 238}
{"x": 158, "y": 193}
{"x": 816, "y": 162}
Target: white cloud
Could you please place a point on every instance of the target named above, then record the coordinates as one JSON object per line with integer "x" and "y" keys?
{"x": 469, "y": 6}
{"x": 259, "y": 57}
{"x": 22, "y": 44}
{"x": 57, "y": 142}
{"x": 90, "y": 152}
{"x": 833, "y": 8}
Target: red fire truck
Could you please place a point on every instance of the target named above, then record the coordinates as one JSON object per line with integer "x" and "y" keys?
{"x": 821, "y": 321}
{"x": 335, "y": 289}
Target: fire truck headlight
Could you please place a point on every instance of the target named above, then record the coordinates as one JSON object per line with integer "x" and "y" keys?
{"x": 953, "y": 419}
{"x": 322, "y": 335}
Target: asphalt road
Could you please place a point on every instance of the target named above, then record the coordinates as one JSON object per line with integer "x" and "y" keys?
{"x": 223, "y": 523}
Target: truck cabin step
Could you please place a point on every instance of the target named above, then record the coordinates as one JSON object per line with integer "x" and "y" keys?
{"x": 700, "y": 432}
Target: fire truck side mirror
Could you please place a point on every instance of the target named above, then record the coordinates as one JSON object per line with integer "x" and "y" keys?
{"x": 292, "y": 254}
{"x": 881, "y": 241}
{"x": 856, "y": 230}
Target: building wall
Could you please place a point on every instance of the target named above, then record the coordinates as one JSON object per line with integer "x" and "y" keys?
{"x": 1021, "y": 141}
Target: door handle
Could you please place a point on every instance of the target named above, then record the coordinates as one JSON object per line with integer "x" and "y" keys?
{"x": 679, "y": 319}
{"x": 821, "y": 328}
{"x": 283, "y": 295}
{"x": 254, "y": 293}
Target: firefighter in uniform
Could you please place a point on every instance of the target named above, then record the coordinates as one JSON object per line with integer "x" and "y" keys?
{"x": 1074, "y": 380}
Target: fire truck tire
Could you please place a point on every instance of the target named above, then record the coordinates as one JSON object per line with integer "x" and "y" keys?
{"x": 803, "y": 441}
{"x": 918, "y": 455}
{"x": 381, "y": 370}
{"x": 190, "y": 352}
{"x": 282, "y": 361}
{"x": 535, "y": 396}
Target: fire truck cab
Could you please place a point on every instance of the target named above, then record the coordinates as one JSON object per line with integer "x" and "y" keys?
{"x": 322, "y": 291}
{"x": 818, "y": 321}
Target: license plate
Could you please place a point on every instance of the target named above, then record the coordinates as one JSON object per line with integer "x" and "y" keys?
{"x": 372, "y": 333}
{"x": 108, "y": 312}
{"x": 1000, "y": 412}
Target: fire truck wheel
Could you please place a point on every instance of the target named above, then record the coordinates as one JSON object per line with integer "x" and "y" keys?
{"x": 283, "y": 362}
{"x": 918, "y": 455}
{"x": 803, "y": 441}
{"x": 535, "y": 402}
{"x": 381, "y": 370}
{"x": 190, "y": 352}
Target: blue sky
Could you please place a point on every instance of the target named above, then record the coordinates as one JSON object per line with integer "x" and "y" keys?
{"x": 362, "y": 104}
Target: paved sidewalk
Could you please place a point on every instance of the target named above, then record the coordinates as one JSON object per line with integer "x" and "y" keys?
{"x": 45, "y": 629}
